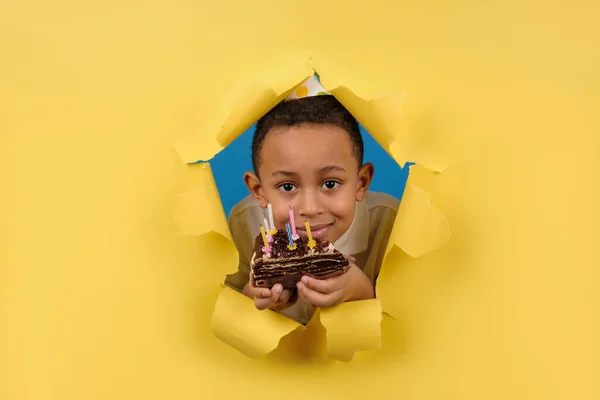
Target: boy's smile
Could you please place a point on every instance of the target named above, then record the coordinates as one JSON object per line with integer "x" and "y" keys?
{"x": 317, "y": 231}
{"x": 313, "y": 170}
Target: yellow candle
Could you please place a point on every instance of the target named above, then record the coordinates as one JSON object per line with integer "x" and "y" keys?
{"x": 308, "y": 230}
{"x": 264, "y": 236}
{"x": 311, "y": 242}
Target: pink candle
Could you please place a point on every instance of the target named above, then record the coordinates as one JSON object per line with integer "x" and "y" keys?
{"x": 293, "y": 224}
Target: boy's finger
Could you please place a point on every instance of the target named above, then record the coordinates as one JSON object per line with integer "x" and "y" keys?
{"x": 314, "y": 298}
{"x": 258, "y": 291}
{"x": 261, "y": 293}
{"x": 276, "y": 292}
{"x": 263, "y": 304}
{"x": 285, "y": 296}
{"x": 322, "y": 285}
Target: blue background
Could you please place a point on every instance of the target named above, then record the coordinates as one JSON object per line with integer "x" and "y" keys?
{"x": 229, "y": 165}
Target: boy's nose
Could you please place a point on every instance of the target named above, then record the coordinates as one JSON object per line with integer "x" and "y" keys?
{"x": 310, "y": 204}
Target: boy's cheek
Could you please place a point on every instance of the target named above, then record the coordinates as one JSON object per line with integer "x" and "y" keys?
{"x": 281, "y": 218}
{"x": 345, "y": 208}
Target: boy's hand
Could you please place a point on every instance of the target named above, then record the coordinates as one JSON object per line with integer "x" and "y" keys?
{"x": 353, "y": 285}
{"x": 276, "y": 298}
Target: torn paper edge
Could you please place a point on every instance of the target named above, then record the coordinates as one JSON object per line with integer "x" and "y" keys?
{"x": 414, "y": 211}
{"x": 270, "y": 98}
{"x": 356, "y": 339}
{"x": 248, "y": 328}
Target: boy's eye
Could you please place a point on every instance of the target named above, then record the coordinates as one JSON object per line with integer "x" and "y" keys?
{"x": 330, "y": 185}
{"x": 287, "y": 187}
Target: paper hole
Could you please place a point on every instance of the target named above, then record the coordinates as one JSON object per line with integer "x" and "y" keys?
{"x": 228, "y": 168}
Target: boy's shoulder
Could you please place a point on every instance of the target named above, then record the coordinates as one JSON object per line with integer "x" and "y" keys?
{"x": 380, "y": 200}
{"x": 244, "y": 206}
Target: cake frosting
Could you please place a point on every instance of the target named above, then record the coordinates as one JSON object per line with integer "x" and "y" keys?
{"x": 284, "y": 265}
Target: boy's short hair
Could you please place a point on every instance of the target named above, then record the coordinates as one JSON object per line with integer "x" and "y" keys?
{"x": 322, "y": 110}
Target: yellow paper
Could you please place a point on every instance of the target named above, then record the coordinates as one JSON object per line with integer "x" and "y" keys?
{"x": 351, "y": 327}
{"x": 245, "y": 103}
{"x": 425, "y": 146}
{"x": 199, "y": 210}
{"x": 306, "y": 346}
{"x": 380, "y": 113}
{"x": 253, "y": 332}
{"x": 99, "y": 300}
{"x": 419, "y": 227}
{"x": 195, "y": 147}
{"x": 248, "y": 101}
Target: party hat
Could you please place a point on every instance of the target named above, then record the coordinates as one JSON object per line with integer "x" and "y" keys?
{"x": 308, "y": 88}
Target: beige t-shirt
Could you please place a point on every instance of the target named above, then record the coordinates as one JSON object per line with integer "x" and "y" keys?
{"x": 366, "y": 240}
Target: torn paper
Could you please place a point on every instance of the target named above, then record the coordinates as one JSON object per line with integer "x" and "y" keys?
{"x": 380, "y": 114}
{"x": 196, "y": 147}
{"x": 199, "y": 210}
{"x": 251, "y": 100}
{"x": 237, "y": 322}
{"x": 351, "y": 327}
{"x": 245, "y": 103}
{"x": 424, "y": 146}
{"x": 419, "y": 227}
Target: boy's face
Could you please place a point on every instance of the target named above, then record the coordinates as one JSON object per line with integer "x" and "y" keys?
{"x": 311, "y": 168}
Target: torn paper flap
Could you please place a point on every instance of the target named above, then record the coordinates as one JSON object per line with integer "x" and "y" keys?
{"x": 247, "y": 102}
{"x": 380, "y": 116}
{"x": 199, "y": 210}
{"x": 237, "y": 322}
{"x": 419, "y": 227}
{"x": 202, "y": 143}
{"x": 351, "y": 327}
{"x": 197, "y": 147}
{"x": 304, "y": 345}
{"x": 244, "y": 104}
{"x": 406, "y": 149}
{"x": 426, "y": 141}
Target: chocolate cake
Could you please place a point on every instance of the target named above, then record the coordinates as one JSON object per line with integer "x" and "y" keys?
{"x": 286, "y": 266}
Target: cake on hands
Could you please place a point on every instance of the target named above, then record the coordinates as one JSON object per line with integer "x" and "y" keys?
{"x": 284, "y": 258}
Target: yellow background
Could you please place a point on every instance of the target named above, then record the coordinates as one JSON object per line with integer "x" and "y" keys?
{"x": 99, "y": 300}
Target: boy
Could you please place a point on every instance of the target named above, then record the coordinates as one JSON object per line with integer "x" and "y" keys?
{"x": 307, "y": 153}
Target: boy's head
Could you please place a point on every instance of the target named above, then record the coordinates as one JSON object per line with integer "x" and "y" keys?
{"x": 308, "y": 154}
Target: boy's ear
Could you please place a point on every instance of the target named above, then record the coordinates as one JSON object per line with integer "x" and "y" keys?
{"x": 253, "y": 184}
{"x": 365, "y": 176}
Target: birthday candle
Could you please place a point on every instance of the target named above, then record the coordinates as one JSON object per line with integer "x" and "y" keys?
{"x": 271, "y": 221}
{"x": 294, "y": 234}
{"x": 269, "y": 237}
{"x": 308, "y": 232}
{"x": 264, "y": 237}
{"x": 289, "y": 233}
{"x": 311, "y": 242}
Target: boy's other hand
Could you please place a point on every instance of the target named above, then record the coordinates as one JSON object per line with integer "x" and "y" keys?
{"x": 353, "y": 285}
{"x": 276, "y": 298}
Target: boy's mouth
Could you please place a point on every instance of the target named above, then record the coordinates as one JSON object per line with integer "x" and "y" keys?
{"x": 317, "y": 231}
